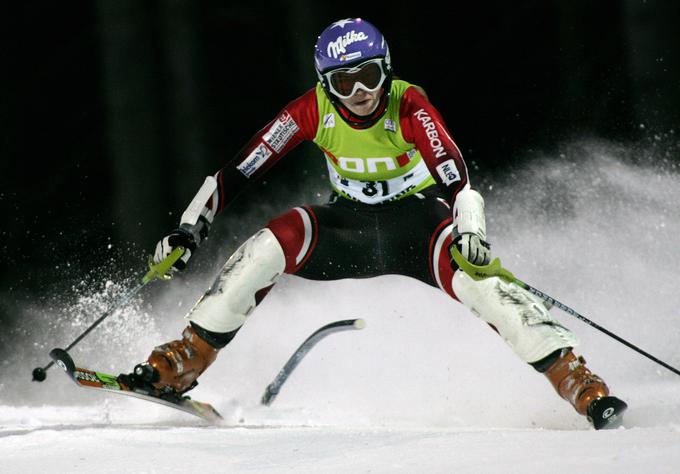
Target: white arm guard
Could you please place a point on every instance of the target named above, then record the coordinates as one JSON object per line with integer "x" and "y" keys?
{"x": 468, "y": 213}
{"x": 197, "y": 207}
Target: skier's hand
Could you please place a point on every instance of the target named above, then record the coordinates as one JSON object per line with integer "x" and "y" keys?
{"x": 187, "y": 236}
{"x": 472, "y": 248}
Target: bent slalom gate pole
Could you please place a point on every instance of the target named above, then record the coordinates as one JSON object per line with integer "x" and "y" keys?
{"x": 494, "y": 269}
{"x": 273, "y": 388}
{"x": 160, "y": 271}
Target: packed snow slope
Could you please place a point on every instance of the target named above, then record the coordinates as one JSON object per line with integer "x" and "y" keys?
{"x": 426, "y": 386}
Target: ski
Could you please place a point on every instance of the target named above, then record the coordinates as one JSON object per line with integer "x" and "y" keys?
{"x": 273, "y": 388}
{"x": 605, "y": 413}
{"x": 92, "y": 379}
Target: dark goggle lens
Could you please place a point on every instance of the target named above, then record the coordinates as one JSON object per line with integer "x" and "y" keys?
{"x": 369, "y": 75}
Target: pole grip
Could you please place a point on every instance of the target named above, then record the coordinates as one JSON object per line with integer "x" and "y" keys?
{"x": 162, "y": 269}
{"x": 481, "y": 272}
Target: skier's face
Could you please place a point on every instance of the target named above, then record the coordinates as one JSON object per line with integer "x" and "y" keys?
{"x": 363, "y": 102}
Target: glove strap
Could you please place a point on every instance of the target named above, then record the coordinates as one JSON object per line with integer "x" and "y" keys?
{"x": 197, "y": 207}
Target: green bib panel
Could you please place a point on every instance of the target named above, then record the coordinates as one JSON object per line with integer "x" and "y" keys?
{"x": 375, "y": 164}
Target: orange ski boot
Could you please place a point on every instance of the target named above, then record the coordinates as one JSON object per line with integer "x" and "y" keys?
{"x": 173, "y": 368}
{"x": 586, "y": 392}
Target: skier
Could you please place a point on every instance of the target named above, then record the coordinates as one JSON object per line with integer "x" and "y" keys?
{"x": 400, "y": 198}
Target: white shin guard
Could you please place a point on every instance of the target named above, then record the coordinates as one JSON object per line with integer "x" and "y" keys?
{"x": 519, "y": 317}
{"x": 256, "y": 264}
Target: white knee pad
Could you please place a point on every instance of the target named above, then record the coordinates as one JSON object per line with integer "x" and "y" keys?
{"x": 255, "y": 265}
{"x": 520, "y": 317}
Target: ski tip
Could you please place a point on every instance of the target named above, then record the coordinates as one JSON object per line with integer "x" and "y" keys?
{"x": 359, "y": 324}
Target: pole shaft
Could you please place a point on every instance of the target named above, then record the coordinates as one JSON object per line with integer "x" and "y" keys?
{"x": 99, "y": 320}
{"x": 577, "y": 315}
{"x": 122, "y": 302}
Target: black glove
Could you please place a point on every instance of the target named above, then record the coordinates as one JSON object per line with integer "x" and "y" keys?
{"x": 186, "y": 235}
{"x": 472, "y": 248}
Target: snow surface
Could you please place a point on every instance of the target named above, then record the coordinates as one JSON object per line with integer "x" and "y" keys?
{"x": 426, "y": 387}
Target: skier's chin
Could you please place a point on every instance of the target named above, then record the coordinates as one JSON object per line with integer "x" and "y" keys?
{"x": 362, "y": 106}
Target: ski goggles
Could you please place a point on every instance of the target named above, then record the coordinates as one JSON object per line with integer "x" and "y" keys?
{"x": 345, "y": 82}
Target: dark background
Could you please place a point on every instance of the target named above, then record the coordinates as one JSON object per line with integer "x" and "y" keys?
{"x": 113, "y": 112}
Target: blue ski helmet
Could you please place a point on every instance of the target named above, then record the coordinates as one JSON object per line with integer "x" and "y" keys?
{"x": 349, "y": 42}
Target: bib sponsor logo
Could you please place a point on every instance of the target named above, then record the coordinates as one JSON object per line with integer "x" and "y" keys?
{"x": 338, "y": 47}
{"x": 390, "y": 125}
{"x": 431, "y": 132}
{"x": 448, "y": 172}
{"x": 281, "y": 132}
{"x": 366, "y": 165}
{"x": 329, "y": 121}
{"x": 372, "y": 189}
{"x": 253, "y": 161}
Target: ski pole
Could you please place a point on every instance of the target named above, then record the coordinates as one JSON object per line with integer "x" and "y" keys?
{"x": 160, "y": 271}
{"x": 494, "y": 269}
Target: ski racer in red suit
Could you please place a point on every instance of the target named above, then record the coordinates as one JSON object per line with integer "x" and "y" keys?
{"x": 400, "y": 198}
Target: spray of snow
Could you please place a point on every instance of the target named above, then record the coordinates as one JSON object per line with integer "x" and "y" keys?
{"x": 590, "y": 227}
